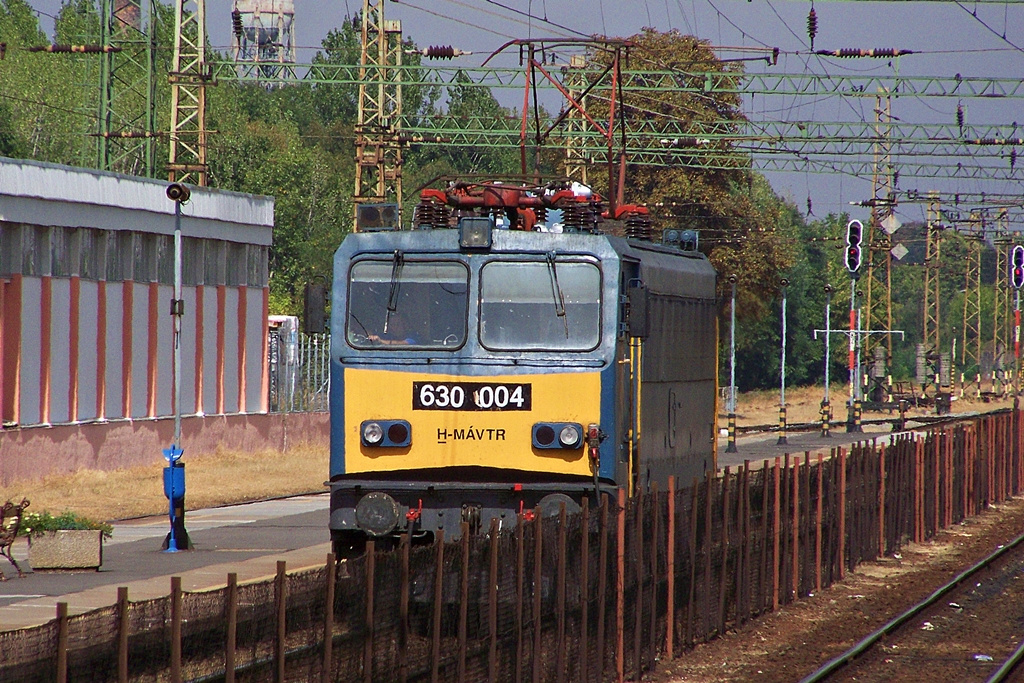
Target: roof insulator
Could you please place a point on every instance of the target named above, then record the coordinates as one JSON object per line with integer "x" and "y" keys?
{"x": 236, "y": 23}
{"x": 812, "y": 25}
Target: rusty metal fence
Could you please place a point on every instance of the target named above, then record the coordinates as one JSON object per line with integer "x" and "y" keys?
{"x": 596, "y": 596}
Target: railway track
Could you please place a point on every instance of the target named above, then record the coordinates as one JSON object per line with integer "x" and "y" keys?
{"x": 970, "y": 629}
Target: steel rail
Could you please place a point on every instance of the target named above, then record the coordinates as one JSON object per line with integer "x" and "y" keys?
{"x": 837, "y": 663}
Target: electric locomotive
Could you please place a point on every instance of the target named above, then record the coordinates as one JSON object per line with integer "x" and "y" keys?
{"x": 485, "y": 365}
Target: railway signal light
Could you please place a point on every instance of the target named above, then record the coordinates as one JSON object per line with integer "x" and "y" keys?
{"x": 1017, "y": 267}
{"x": 854, "y": 234}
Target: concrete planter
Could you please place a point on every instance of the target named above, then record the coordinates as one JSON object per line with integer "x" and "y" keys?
{"x": 68, "y": 549}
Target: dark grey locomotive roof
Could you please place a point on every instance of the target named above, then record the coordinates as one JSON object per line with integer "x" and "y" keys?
{"x": 668, "y": 271}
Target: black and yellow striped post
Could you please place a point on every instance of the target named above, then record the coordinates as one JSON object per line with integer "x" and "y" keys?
{"x": 731, "y": 444}
{"x": 856, "y": 416}
{"x": 782, "y": 425}
{"x": 826, "y": 420}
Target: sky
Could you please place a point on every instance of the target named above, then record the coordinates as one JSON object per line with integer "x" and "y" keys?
{"x": 984, "y": 39}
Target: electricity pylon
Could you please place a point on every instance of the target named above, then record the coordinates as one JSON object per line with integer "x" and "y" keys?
{"x": 378, "y": 146}
{"x": 189, "y": 77}
{"x": 127, "y": 103}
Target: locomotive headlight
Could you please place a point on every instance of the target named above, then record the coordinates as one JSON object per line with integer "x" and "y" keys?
{"x": 386, "y": 433}
{"x": 372, "y": 433}
{"x": 563, "y": 435}
{"x": 569, "y": 437}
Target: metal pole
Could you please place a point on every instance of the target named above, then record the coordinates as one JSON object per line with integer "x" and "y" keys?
{"x": 1017, "y": 348}
{"x": 177, "y": 312}
{"x": 782, "y": 367}
{"x": 826, "y": 407}
{"x": 851, "y": 360}
{"x": 731, "y": 447}
{"x": 858, "y": 396}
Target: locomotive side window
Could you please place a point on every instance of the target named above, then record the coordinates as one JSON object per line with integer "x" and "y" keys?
{"x": 540, "y": 305}
{"x": 397, "y": 304}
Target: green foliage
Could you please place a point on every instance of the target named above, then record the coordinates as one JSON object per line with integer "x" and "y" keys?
{"x": 38, "y": 523}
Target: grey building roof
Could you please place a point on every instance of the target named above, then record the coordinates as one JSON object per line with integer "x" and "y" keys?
{"x": 54, "y": 195}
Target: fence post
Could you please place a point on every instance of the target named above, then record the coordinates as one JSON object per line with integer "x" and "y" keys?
{"x": 403, "y": 608}
{"x": 175, "y": 629}
{"x": 122, "y": 634}
{"x": 762, "y": 597}
{"x": 538, "y": 576}
{"x": 560, "y": 597}
{"x": 881, "y": 500}
{"x": 708, "y": 545}
{"x": 842, "y": 513}
{"x": 620, "y": 570}
{"x": 492, "y": 600}
{"x": 743, "y": 580}
{"x": 280, "y": 600}
{"x": 638, "y": 556}
{"x": 652, "y": 647}
{"x": 62, "y": 643}
{"x": 435, "y": 642}
{"x": 463, "y": 600}
{"x": 670, "y": 570}
{"x": 723, "y": 576}
{"x": 520, "y": 593}
{"x": 584, "y": 587}
{"x": 776, "y": 534}
{"x": 796, "y": 527}
{"x": 817, "y": 526}
{"x": 602, "y": 586}
{"x": 231, "y": 640}
{"x": 690, "y": 605}
{"x": 330, "y": 579}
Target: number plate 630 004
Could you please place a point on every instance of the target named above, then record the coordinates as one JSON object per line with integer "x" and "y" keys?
{"x": 470, "y": 396}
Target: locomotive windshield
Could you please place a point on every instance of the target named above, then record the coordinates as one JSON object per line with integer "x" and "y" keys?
{"x": 397, "y": 303}
{"x": 535, "y": 305}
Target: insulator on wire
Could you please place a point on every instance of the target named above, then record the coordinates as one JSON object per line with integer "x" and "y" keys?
{"x": 236, "y": 23}
{"x": 1013, "y": 158}
{"x": 960, "y": 116}
{"x": 877, "y": 52}
{"x": 812, "y": 25}
{"x": 86, "y": 49}
{"x": 439, "y": 52}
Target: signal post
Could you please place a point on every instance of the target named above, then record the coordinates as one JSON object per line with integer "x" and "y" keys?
{"x": 854, "y": 235}
{"x": 1017, "y": 280}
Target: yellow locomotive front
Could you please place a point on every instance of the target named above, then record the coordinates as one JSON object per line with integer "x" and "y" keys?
{"x": 466, "y": 381}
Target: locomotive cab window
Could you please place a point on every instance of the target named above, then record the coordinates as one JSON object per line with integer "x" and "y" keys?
{"x": 554, "y": 304}
{"x": 395, "y": 304}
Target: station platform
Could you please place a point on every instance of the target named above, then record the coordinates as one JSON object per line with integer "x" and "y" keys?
{"x": 238, "y": 538}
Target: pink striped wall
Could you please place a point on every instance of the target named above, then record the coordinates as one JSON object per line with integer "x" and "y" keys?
{"x": 68, "y": 329}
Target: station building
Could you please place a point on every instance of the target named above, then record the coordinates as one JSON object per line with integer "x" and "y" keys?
{"x": 86, "y": 283}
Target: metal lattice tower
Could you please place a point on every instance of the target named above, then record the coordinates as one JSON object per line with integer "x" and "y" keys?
{"x": 127, "y": 110}
{"x": 575, "y": 157}
{"x": 970, "y": 349}
{"x": 930, "y": 334}
{"x": 378, "y": 147}
{"x": 879, "y": 271}
{"x": 1001, "y": 310}
{"x": 188, "y": 77}
{"x": 263, "y": 39}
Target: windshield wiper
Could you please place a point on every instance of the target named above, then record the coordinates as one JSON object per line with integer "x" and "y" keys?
{"x": 398, "y": 261}
{"x": 556, "y": 292}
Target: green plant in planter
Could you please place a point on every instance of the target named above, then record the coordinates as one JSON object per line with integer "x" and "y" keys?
{"x": 38, "y": 523}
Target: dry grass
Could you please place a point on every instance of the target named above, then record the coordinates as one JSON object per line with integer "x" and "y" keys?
{"x": 232, "y": 477}
{"x": 216, "y": 479}
{"x": 803, "y": 404}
